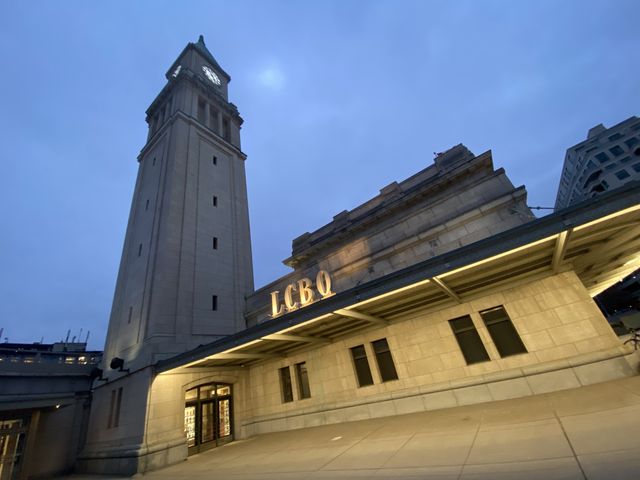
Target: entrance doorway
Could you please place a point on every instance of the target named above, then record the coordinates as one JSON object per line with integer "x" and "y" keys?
{"x": 13, "y": 434}
{"x": 208, "y": 413}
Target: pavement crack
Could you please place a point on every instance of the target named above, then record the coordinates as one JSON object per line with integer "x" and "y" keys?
{"x": 573, "y": 451}
{"x": 473, "y": 442}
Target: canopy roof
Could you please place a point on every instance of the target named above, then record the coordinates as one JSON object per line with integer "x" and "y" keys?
{"x": 599, "y": 239}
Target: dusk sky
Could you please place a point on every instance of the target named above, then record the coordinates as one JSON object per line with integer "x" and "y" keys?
{"x": 339, "y": 98}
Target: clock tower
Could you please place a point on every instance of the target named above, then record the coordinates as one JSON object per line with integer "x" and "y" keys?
{"x": 186, "y": 263}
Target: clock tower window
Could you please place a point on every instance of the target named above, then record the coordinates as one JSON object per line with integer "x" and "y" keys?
{"x": 202, "y": 111}
{"x": 225, "y": 130}
{"x": 213, "y": 119}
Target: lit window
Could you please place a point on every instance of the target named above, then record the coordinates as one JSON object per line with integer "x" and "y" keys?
{"x": 385, "y": 360}
{"x": 303, "y": 380}
{"x": 469, "y": 340}
{"x": 285, "y": 385}
{"x": 361, "y": 365}
{"x": 504, "y": 334}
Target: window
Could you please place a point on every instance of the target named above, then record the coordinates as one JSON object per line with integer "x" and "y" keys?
{"x": 215, "y": 201}
{"x": 303, "y": 380}
{"x": 153, "y": 164}
{"x": 139, "y": 249}
{"x": 615, "y": 137}
{"x": 469, "y": 340}
{"x": 285, "y": 385}
{"x": 636, "y": 167}
{"x": 616, "y": 150}
{"x": 114, "y": 408}
{"x": 213, "y": 119}
{"x": 385, "y": 360}
{"x": 622, "y": 174}
{"x": 504, "y": 334}
{"x": 146, "y": 205}
{"x": 225, "y": 129}
{"x": 594, "y": 176}
{"x": 630, "y": 142}
{"x": 215, "y": 243}
{"x": 215, "y": 160}
{"x": 201, "y": 111}
{"x": 636, "y": 152}
{"x": 130, "y": 314}
{"x": 602, "y": 157}
{"x": 361, "y": 365}
{"x": 214, "y": 302}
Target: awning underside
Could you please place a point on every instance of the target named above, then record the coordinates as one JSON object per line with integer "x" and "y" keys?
{"x": 600, "y": 252}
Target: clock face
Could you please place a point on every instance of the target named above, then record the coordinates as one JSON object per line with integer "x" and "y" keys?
{"x": 211, "y": 75}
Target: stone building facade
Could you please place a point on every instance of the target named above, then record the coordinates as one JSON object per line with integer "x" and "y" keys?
{"x": 443, "y": 290}
{"x": 607, "y": 159}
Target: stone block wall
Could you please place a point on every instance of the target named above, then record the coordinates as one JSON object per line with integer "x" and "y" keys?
{"x": 567, "y": 340}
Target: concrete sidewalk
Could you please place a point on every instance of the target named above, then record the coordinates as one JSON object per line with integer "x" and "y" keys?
{"x": 590, "y": 432}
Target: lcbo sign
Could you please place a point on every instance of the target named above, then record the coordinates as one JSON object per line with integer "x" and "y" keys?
{"x": 304, "y": 291}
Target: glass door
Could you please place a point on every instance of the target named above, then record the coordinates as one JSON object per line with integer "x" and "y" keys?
{"x": 208, "y": 416}
{"x": 13, "y": 433}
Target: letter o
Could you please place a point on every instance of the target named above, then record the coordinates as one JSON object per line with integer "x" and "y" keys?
{"x": 323, "y": 283}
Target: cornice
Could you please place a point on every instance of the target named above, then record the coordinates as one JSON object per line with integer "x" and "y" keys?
{"x": 155, "y": 138}
{"x": 388, "y": 207}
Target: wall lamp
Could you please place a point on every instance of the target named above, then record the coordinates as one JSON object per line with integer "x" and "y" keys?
{"x": 117, "y": 364}
{"x": 96, "y": 373}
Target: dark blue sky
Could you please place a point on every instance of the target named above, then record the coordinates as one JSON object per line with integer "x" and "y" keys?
{"x": 340, "y": 98}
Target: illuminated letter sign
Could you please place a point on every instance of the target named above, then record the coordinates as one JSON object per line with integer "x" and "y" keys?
{"x": 305, "y": 294}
